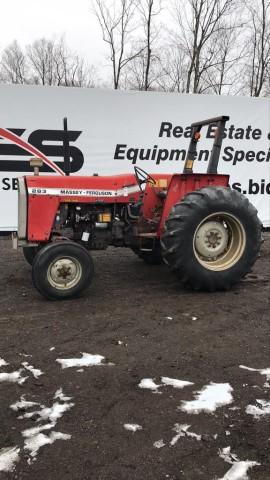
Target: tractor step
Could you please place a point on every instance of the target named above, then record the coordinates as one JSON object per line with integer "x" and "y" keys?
{"x": 148, "y": 235}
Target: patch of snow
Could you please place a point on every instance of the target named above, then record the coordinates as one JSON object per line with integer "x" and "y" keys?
{"x": 175, "y": 383}
{"x": 59, "y": 394}
{"x": 194, "y": 318}
{"x": 60, "y": 436}
{"x": 8, "y": 458}
{"x": 35, "y": 371}
{"x": 193, "y": 435}
{"x": 149, "y": 383}
{"x": 226, "y": 454}
{"x": 227, "y": 432}
{"x": 87, "y": 360}
{"x": 169, "y": 318}
{"x": 262, "y": 408}
{"x": 209, "y": 398}
{"x": 51, "y": 349}
{"x": 177, "y": 428}
{"x": 13, "y": 377}
{"x": 2, "y": 362}
{"x": 30, "y": 432}
{"x": 182, "y": 431}
{"x": 22, "y": 404}
{"x": 34, "y": 438}
{"x": 132, "y": 427}
{"x": 262, "y": 371}
{"x": 239, "y": 468}
{"x": 34, "y": 443}
{"x": 159, "y": 444}
{"x": 234, "y": 408}
{"x": 80, "y": 370}
{"x": 52, "y": 414}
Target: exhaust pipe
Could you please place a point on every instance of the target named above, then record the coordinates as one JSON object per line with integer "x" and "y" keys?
{"x": 67, "y": 166}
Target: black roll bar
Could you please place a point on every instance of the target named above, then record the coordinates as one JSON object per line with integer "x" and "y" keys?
{"x": 215, "y": 154}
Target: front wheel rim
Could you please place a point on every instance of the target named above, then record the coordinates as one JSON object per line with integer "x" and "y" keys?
{"x": 64, "y": 273}
{"x": 219, "y": 241}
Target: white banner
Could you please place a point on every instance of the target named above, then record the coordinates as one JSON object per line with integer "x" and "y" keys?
{"x": 112, "y": 131}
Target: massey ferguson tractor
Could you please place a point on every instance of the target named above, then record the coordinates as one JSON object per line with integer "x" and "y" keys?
{"x": 208, "y": 234}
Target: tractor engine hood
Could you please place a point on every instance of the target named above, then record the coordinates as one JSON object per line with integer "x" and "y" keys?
{"x": 45, "y": 194}
{"x": 117, "y": 188}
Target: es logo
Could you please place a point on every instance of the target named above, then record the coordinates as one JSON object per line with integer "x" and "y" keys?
{"x": 41, "y": 140}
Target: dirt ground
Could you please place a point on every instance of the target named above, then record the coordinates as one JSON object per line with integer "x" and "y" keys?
{"x": 147, "y": 326}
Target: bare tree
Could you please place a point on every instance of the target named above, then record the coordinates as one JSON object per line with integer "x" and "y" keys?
{"x": 259, "y": 43}
{"x": 149, "y": 9}
{"x": 41, "y": 59}
{"x": 117, "y": 25}
{"x": 267, "y": 89}
{"x": 14, "y": 64}
{"x": 70, "y": 69}
{"x": 135, "y": 77}
{"x": 220, "y": 71}
{"x": 61, "y": 61}
{"x": 134, "y": 74}
{"x": 80, "y": 75}
{"x": 218, "y": 77}
{"x": 45, "y": 62}
{"x": 199, "y": 21}
{"x": 173, "y": 70}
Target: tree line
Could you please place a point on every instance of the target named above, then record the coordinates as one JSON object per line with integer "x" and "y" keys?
{"x": 44, "y": 62}
{"x": 187, "y": 46}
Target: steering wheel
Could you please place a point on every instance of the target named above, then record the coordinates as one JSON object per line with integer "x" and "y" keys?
{"x": 143, "y": 177}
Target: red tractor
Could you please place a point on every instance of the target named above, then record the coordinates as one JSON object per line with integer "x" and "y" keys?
{"x": 207, "y": 233}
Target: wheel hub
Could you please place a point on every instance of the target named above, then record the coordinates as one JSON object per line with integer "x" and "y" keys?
{"x": 64, "y": 273}
{"x": 211, "y": 239}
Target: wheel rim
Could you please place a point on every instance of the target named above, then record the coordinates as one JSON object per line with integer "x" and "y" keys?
{"x": 219, "y": 241}
{"x": 64, "y": 273}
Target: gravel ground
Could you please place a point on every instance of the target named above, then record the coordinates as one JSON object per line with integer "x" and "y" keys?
{"x": 146, "y": 326}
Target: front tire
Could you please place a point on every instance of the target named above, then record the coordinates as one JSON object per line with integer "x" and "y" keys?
{"x": 212, "y": 238}
{"x": 62, "y": 270}
{"x": 29, "y": 254}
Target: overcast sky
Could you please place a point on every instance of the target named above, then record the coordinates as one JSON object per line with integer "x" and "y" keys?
{"x": 27, "y": 20}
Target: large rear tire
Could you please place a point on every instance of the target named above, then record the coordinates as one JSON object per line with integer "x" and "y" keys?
{"x": 62, "y": 270}
{"x": 212, "y": 238}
